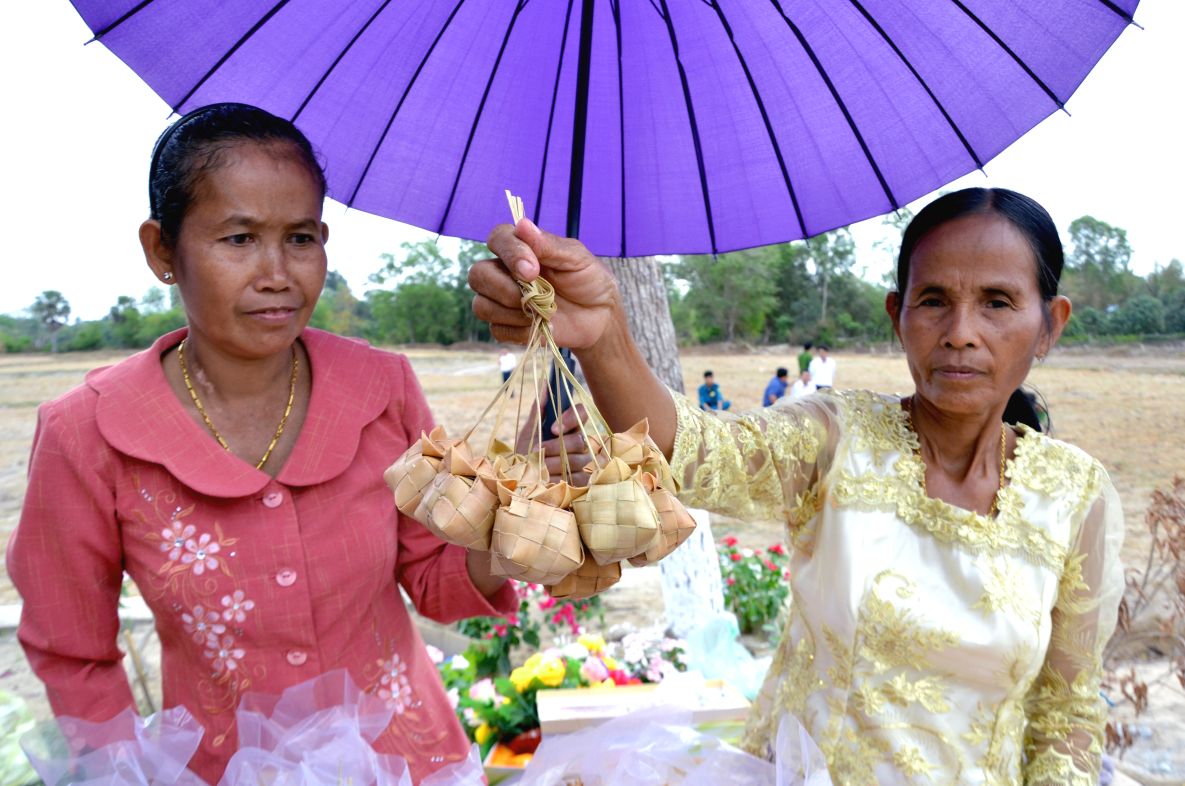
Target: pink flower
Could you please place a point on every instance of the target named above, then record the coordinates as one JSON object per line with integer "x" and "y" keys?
{"x": 757, "y": 551}
{"x": 203, "y": 625}
{"x": 730, "y": 541}
{"x": 778, "y": 548}
{"x": 770, "y": 564}
{"x": 512, "y": 619}
{"x": 593, "y": 671}
{"x": 173, "y": 539}
{"x": 235, "y": 606}
{"x": 500, "y": 630}
{"x": 454, "y": 698}
{"x": 483, "y": 690}
{"x": 731, "y": 581}
{"x": 224, "y": 653}
{"x": 546, "y": 603}
{"x": 201, "y": 553}
{"x": 735, "y": 557}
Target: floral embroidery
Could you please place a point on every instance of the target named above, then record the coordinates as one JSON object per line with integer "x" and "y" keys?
{"x": 200, "y": 553}
{"x": 173, "y": 539}
{"x": 393, "y": 685}
{"x": 893, "y": 691}
{"x": 206, "y": 608}
{"x": 202, "y": 624}
{"x": 225, "y": 655}
{"x": 236, "y": 606}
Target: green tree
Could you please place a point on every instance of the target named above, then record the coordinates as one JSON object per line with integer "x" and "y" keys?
{"x": 833, "y": 254}
{"x": 125, "y": 320}
{"x": 51, "y": 310}
{"x": 337, "y": 310}
{"x": 1142, "y": 315}
{"x": 731, "y": 295}
{"x": 1097, "y": 273}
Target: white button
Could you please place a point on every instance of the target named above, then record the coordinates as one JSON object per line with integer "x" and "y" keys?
{"x": 273, "y": 499}
{"x": 286, "y": 577}
{"x": 297, "y": 657}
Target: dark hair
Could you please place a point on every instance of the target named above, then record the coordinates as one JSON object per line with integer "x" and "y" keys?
{"x": 1027, "y": 217}
{"x": 192, "y": 146}
{"x": 823, "y": 348}
{"x": 782, "y": 372}
{"x": 708, "y": 373}
{"x": 807, "y": 346}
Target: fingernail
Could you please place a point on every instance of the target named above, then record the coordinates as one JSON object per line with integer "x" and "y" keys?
{"x": 522, "y": 268}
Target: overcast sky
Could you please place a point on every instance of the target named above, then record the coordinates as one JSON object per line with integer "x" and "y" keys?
{"x": 79, "y": 126}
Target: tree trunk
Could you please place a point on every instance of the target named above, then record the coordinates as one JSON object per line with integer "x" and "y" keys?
{"x": 645, "y": 297}
{"x": 693, "y": 591}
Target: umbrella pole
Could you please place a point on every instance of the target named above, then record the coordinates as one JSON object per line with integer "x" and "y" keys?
{"x": 556, "y": 390}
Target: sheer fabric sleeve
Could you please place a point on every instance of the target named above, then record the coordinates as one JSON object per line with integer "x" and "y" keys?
{"x": 1064, "y": 739}
{"x": 763, "y": 465}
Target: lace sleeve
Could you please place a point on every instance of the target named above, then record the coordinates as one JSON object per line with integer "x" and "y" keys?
{"x": 760, "y": 465}
{"x": 1064, "y": 739}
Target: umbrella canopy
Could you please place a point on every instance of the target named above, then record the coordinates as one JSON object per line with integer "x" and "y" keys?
{"x": 660, "y": 126}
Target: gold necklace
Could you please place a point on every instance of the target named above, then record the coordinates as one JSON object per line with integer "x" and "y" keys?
{"x": 197, "y": 402}
{"x": 1003, "y": 453}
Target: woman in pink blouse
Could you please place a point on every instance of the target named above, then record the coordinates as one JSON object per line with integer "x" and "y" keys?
{"x": 234, "y": 470}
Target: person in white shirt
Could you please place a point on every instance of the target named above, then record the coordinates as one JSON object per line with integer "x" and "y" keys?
{"x": 822, "y": 369}
{"x": 506, "y": 362}
{"x": 802, "y": 386}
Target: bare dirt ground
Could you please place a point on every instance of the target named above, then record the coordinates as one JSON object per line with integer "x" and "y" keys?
{"x": 1125, "y": 406}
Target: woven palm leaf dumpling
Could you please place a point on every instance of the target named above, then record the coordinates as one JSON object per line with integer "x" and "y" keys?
{"x": 569, "y": 533}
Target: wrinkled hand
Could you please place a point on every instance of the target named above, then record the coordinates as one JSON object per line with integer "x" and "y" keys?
{"x": 572, "y": 441}
{"x": 587, "y": 299}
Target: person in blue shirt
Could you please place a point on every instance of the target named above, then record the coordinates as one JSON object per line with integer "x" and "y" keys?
{"x": 776, "y": 387}
{"x": 709, "y": 395}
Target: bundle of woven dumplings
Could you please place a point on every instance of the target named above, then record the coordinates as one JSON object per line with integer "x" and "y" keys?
{"x": 569, "y": 536}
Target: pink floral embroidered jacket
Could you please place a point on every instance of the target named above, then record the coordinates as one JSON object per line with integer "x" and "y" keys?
{"x": 256, "y": 583}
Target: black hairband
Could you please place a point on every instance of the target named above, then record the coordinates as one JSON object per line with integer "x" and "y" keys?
{"x": 163, "y": 140}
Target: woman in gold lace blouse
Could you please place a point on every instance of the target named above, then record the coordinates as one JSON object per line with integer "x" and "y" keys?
{"x": 955, "y": 577}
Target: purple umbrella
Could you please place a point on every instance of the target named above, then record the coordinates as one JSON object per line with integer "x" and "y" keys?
{"x": 642, "y": 126}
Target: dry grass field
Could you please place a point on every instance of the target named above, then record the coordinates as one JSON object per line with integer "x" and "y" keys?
{"x": 1126, "y": 406}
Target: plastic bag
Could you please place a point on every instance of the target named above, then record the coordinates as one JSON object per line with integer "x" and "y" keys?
{"x": 714, "y": 650}
{"x": 658, "y": 747}
{"x": 125, "y": 751}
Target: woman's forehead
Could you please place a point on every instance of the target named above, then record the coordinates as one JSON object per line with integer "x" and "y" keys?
{"x": 981, "y": 247}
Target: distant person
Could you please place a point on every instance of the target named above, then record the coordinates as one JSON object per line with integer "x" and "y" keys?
{"x": 822, "y": 369}
{"x": 805, "y": 357}
{"x": 709, "y": 395}
{"x": 506, "y": 363}
{"x": 776, "y": 387}
{"x": 802, "y": 387}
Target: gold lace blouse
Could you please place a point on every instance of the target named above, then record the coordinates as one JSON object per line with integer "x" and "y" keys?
{"x": 925, "y": 643}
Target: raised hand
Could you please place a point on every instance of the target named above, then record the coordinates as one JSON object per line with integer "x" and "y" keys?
{"x": 587, "y": 299}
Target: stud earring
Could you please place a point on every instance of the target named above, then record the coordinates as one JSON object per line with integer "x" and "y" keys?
{"x": 167, "y": 276}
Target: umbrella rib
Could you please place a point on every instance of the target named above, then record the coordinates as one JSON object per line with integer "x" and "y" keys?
{"x": 921, "y": 81}
{"x": 555, "y": 90}
{"x": 399, "y": 105}
{"x": 361, "y": 31}
{"x": 615, "y": 6}
{"x": 1008, "y": 50}
{"x": 1124, "y": 15}
{"x": 699, "y": 150}
{"x": 518, "y": 8}
{"x": 839, "y": 102}
{"x": 135, "y": 10}
{"x": 769, "y": 128}
{"x": 230, "y": 52}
